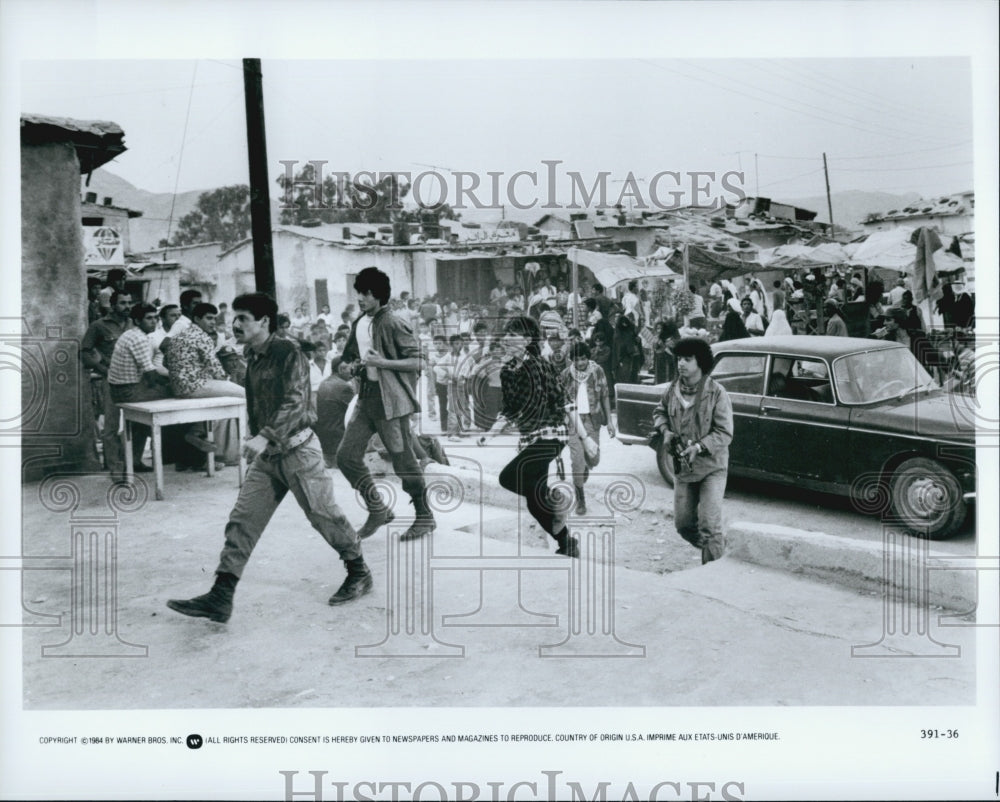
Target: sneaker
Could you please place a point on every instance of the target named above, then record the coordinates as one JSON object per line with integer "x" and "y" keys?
{"x": 141, "y": 467}
{"x": 374, "y": 522}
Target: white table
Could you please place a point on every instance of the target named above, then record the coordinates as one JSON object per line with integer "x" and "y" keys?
{"x": 170, "y": 411}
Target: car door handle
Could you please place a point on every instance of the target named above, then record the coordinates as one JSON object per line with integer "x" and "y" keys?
{"x": 767, "y": 408}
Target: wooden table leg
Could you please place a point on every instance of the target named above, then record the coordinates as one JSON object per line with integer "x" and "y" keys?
{"x": 129, "y": 463}
{"x": 210, "y": 436}
{"x": 157, "y": 460}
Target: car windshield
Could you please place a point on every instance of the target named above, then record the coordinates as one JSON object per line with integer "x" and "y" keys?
{"x": 880, "y": 375}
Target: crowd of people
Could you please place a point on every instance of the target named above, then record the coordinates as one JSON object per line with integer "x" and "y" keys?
{"x": 517, "y": 361}
{"x": 817, "y": 303}
{"x": 194, "y": 354}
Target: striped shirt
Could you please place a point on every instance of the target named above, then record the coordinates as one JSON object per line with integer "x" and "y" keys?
{"x": 133, "y": 356}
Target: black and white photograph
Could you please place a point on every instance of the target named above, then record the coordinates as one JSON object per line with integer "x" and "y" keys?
{"x": 500, "y": 401}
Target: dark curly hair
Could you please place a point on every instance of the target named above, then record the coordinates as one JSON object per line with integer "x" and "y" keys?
{"x": 699, "y": 349}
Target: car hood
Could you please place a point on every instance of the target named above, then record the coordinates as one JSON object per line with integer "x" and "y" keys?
{"x": 935, "y": 414}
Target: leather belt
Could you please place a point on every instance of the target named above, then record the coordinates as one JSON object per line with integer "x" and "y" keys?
{"x": 294, "y": 441}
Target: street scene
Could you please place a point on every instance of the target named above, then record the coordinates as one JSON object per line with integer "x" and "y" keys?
{"x": 587, "y": 432}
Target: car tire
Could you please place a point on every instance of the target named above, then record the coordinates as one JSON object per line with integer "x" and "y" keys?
{"x": 665, "y": 462}
{"x": 927, "y": 499}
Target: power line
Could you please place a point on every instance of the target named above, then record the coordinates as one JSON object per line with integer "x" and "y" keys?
{"x": 860, "y": 158}
{"x": 900, "y": 169}
{"x": 887, "y": 129}
{"x": 906, "y": 115}
{"x": 792, "y": 178}
{"x": 180, "y": 158}
{"x": 840, "y": 85}
{"x": 744, "y": 94}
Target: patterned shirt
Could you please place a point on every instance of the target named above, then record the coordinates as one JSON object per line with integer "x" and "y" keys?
{"x": 133, "y": 356}
{"x": 191, "y": 361}
{"x": 278, "y": 392}
{"x": 594, "y": 384}
{"x": 533, "y": 399}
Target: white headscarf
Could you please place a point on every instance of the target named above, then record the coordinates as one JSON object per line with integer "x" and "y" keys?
{"x": 735, "y": 306}
{"x": 778, "y": 325}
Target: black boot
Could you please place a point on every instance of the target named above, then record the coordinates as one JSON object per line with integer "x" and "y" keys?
{"x": 424, "y": 523}
{"x": 375, "y": 520}
{"x": 357, "y": 584}
{"x": 568, "y": 546}
{"x": 216, "y": 605}
{"x": 581, "y": 501}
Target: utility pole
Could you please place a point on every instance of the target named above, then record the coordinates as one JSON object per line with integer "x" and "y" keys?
{"x": 260, "y": 197}
{"x": 829, "y": 203}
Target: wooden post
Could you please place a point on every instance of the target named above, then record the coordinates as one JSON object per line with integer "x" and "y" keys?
{"x": 260, "y": 197}
{"x": 574, "y": 289}
{"x": 829, "y": 203}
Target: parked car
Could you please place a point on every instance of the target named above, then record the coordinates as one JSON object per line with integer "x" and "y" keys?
{"x": 843, "y": 415}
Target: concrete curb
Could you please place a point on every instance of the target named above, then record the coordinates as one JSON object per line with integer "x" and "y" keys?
{"x": 904, "y": 568}
{"x": 858, "y": 564}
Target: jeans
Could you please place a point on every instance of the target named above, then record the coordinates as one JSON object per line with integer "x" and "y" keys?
{"x": 442, "y": 394}
{"x": 269, "y": 479}
{"x": 369, "y": 419}
{"x": 528, "y": 475}
{"x": 458, "y": 407}
{"x": 577, "y": 457}
{"x": 114, "y": 455}
{"x": 698, "y": 514}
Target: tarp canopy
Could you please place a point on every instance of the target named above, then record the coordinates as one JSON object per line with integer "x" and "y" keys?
{"x": 893, "y": 250}
{"x": 613, "y": 268}
{"x": 799, "y": 257}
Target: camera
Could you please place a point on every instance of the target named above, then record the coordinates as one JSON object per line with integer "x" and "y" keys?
{"x": 676, "y": 448}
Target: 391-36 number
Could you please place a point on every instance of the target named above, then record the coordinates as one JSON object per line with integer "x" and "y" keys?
{"x": 939, "y": 733}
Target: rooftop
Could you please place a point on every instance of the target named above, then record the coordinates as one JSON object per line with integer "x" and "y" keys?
{"x": 960, "y": 203}
{"x": 797, "y": 345}
{"x": 97, "y": 141}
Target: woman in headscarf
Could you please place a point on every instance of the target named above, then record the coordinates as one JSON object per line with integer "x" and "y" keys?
{"x": 732, "y": 326}
{"x": 778, "y": 325}
{"x": 758, "y": 298}
{"x": 626, "y": 352}
{"x": 751, "y": 319}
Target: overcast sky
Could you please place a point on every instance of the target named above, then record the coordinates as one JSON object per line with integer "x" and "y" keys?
{"x": 901, "y": 96}
{"x": 892, "y": 124}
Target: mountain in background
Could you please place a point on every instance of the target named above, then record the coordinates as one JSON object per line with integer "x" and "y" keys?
{"x": 852, "y": 207}
{"x": 147, "y": 231}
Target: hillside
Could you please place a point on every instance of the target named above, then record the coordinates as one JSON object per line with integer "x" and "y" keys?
{"x": 147, "y": 231}
{"x": 849, "y": 208}
{"x": 852, "y": 207}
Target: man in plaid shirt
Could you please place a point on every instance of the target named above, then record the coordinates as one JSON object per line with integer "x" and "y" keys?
{"x": 132, "y": 375}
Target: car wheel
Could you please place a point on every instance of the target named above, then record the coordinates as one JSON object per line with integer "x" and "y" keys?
{"x": 665, "y": 462}
{"x": 927, "y": 498}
